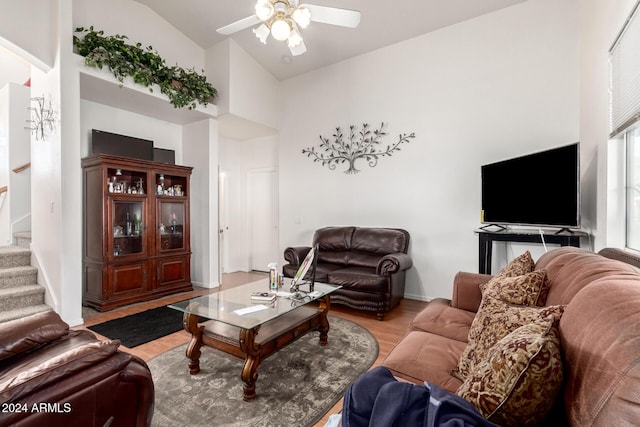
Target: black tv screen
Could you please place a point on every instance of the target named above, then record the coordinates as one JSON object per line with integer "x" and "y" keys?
{"x": 540, "y": 189}
{"x": 120, "y": 145}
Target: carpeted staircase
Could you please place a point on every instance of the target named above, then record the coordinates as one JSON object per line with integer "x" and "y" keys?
{"x": 20, "y": 294}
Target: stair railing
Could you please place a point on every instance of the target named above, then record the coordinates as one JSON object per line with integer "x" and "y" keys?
{"x": 5, "y": 189}
{"x": 3, "y": 195}
{"x": 22, "y": 168}
{"x": 23, "y": 223}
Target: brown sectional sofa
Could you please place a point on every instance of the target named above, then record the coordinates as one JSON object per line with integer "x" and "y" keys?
{"x": 52, "y": 376}
{"x": 369, "y": 264}
{"x": 599, "y": 335}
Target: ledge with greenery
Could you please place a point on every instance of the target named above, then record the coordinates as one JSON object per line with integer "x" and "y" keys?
{"x": 185, "y": 88}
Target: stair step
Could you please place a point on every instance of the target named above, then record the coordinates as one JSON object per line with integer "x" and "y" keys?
{"x": 18, "y": 276}
{"x": 14, "y": 256}
{"x": 23, "y": 239}
{"x": 19, "y": 313}
{"x": 21, "y": 297}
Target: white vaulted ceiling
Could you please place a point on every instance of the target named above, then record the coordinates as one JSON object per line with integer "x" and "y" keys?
{"x": 382, "y": 23}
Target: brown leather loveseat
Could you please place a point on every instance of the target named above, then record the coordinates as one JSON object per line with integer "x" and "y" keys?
{"x": 599, "y": 336}
{"x": 369, "y": 264}
{"x": 53, "y": 376}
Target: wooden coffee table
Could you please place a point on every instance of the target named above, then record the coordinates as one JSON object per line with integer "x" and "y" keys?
{"x": 234, "y": 328}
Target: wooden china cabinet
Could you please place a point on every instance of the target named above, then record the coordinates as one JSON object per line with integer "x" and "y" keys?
{"x": 135, "y": 230}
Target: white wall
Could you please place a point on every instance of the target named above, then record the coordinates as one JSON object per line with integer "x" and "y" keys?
{"x": 102, "y": 117}
{"x": 47, "y": 226}
{"x": 600, "y": 23}
{"x": 5, "y": 202}
{"x": 56, "y": 176}
{"x": 494, "y": 87}
{"x": 27, "y": 28}
{"x": 200, "y": 151}
{"x": 248, "y": 95}
{"x": 254, "y": 93}
{"x": 217, "y": 60}
{"x": 19, "y": 155}
{"x": 14, "y": 153}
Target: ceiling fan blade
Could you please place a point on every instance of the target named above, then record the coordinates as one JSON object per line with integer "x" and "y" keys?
{"x": 234, "y": 27}
{"x": 299, "y": 49}
{"x": 333, "y": 15}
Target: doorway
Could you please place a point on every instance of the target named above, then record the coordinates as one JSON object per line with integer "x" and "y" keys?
{"x": 262, "y": 213}
{"x": 223, "y": 227}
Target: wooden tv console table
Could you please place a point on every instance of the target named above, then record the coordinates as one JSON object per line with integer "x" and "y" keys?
{"x": 486, "y": 239}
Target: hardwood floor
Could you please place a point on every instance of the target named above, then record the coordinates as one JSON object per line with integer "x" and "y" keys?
{"x": 387, "y": 332}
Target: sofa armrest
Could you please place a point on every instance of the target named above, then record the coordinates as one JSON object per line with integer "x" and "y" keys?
{"x": 393, "y": 263}
{"x": 621, "y": 255}
{"x": 21, "y": 335}
{"x": 295, "y": 255}
{"x": 466, "y": 290}
{"x": 57, "y": 367}
{"x": 138, "y": 373}
{"x": 117, "y": 390}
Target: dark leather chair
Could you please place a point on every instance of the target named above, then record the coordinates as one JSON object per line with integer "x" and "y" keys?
{"x": 53, "y": 376}
{"x": 369, "y": 264}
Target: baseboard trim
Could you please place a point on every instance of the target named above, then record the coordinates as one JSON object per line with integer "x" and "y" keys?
{"x": 418, "y": 297}
{"x": 206, "y": 285}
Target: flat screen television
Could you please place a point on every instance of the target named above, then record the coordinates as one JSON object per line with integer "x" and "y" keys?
{"x": 120, "y": 145}
{"x": 539, "y": 189}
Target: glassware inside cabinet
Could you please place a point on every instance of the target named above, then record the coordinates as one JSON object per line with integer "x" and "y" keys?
{"x": 128, "y": 235}
{"x": 171, "y": 185}
{"x": 171, "y": 225}
{"x": 126, "y": 182}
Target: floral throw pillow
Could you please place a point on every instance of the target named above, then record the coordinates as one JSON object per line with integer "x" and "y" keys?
{"x": 495, "y": 320}
{"x": 519, "y": 381}
{"x": 518, "y": 266}
{"x": 527, "y": 289}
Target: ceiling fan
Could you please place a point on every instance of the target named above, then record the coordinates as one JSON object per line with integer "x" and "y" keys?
{"x": 284, "y": 18}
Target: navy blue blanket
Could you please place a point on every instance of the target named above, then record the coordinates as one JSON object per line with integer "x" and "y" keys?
{"x": 377, "y": 399}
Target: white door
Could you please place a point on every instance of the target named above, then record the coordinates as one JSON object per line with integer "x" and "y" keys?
{"x": 263, "y": 218}
{"x": 223, "y": 224}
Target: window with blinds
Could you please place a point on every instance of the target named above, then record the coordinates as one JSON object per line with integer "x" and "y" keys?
{"x": 624, "y": 118}
{"x": 624, "y": 64}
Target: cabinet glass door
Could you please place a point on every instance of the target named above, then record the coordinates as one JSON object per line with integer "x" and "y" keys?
{"x": 128, "y": 232}
{"x": 171, "y": 225}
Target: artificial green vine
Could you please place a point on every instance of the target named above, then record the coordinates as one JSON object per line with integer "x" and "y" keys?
{"x": 184, "y": 88}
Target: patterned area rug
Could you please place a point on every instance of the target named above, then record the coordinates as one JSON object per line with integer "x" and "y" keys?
{"x": 296, "y": 386}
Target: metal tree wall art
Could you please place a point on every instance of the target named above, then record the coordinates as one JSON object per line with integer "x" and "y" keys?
{"x": 42, "y": 118}
{"x": 364, "y": 144}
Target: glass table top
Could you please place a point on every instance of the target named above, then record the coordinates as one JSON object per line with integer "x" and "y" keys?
{"x": 235, "y": 307}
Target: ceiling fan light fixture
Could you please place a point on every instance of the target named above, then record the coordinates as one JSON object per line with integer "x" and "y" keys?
{"x": 284, "y": 19}
{"x": 294, "y": 38}
{"x": 280, "y": 29}
{"x": 302, "y": 16}
{"x": 264, "y": 10}
{"x": 262, "y": 32}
